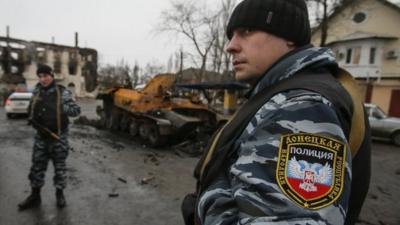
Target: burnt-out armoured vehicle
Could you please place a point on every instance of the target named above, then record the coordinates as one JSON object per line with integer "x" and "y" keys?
{"x": 156, "y": 113}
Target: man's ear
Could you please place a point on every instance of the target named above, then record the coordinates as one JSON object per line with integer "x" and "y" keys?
{"x": 290, "y": 44}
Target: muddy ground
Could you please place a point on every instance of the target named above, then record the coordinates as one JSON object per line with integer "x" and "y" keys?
{"x": 114, "y": 179}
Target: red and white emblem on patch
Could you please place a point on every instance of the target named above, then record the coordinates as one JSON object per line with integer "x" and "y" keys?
{"x": 310, "y": 169}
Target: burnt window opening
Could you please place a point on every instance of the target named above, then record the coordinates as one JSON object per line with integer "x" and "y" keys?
{"x": 27, "y": 58}
{"x": 57, "y": 66}
{"x": 73, "y": 63}
{"x": 41, "y": 56}
{"x": 14, "y": 70}
{"x": 5, "y": 61}
{"x": 57, "y": 62}
{"x": 90, "y": 75}
{"x": 72, "y": 67}
{"x": 72, "y": 56}
{"x": 14, "y": 55}
{"x": 372, "y": 53}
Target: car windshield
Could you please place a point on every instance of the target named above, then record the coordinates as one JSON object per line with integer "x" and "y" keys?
{"x": 376, "y": 112}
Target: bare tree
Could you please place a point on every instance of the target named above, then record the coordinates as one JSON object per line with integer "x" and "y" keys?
{"x": 119, "y": 75}
{"x": 221, "y": 60}
{"x": 322, "y": 9}
{"x": 135, "y": 75}
{"x": 195, "y": 23}
{"x": 150, "y": 70}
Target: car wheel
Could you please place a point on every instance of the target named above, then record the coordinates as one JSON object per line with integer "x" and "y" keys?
{"x": 154, "y": 137}
{"x": 396, "y": 138}
{"x": 112, "y": 122}
{"x": 133, "y": 127}
{"x": 124, "y": 122}
{"x": 103, "y": 119}
{"x": 144, "y": 130}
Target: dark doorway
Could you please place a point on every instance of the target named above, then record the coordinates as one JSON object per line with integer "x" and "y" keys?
{"x": 394, "y": 109}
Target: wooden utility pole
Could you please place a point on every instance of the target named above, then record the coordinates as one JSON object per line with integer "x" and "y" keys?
{"x": 7, "y": 66}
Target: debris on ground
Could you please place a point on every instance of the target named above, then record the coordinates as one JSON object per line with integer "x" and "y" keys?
{"x": 113, "y": 195}
{"x": 122, "y": 180}
{"x": 180, "y": 153}
{"x": 118, "y": 147}
{"x": 381, "y": 190}
{"x": 146, "y": 180}
{"x": 83, "y": 120}
{"x": 372, "y": 196}
{"x": 153, "y": 157}
{"x": 189, "y": 148}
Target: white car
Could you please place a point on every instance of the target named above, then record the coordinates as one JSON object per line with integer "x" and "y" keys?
{"x": 382, "y": 126}
{"x": 18, "y": 104}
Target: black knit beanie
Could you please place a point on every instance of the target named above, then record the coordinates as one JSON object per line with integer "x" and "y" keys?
{"x": 287, "y": 19}
{"x": 44, "y": 69}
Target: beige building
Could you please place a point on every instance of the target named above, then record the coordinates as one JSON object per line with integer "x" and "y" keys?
{"x": 74, "y": 67}
{"x": 365, "y": 36}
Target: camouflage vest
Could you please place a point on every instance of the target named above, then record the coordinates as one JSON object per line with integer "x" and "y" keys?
{"x": 340, "y": 89}
{"x": 47, "y": 110}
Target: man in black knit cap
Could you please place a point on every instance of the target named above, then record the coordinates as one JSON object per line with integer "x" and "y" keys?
{"x": 298, "y": 151}
{"x": 50, "y": 108}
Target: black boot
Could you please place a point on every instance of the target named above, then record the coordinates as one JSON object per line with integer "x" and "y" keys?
{"x": 61, "y": 203}
{"x": 33, "y": 200}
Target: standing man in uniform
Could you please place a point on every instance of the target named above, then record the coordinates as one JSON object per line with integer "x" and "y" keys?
{"x": 50, "y": 108}
{"x": 298, "y": 151}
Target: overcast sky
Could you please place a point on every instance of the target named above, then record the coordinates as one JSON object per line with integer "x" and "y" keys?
{"x": 115, "y": 28}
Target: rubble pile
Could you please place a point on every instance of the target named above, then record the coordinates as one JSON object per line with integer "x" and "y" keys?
{"x": 192, "y": 147}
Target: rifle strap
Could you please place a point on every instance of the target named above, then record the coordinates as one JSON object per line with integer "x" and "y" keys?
{"x": 33, "y": 105}
{"x": 348, "y": 105}
{"x": 58, "y": 111}
{"x": 357, "y": 129}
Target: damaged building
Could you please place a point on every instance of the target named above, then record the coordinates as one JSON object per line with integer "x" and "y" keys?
{"x": 74, "y": 67}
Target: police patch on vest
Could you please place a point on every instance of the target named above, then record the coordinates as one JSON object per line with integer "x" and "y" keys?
{"x": 310, "y": 169}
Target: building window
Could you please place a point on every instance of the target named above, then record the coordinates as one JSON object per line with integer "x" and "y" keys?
{"x": 359, "y": 17}
{"x": 57, "y": 62}
{"x": 41, "y": 56}
{"x": 14, "y": 55}
{"x": 356, "y": 55}
{"x": 73, "y": 63}
{"x": 72, "y": 67}
{"x": 72, "y": 55}
{"x": 57, "y": 67}
{"x": 372, "y": 52}
{"x": 348, "y": 55}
